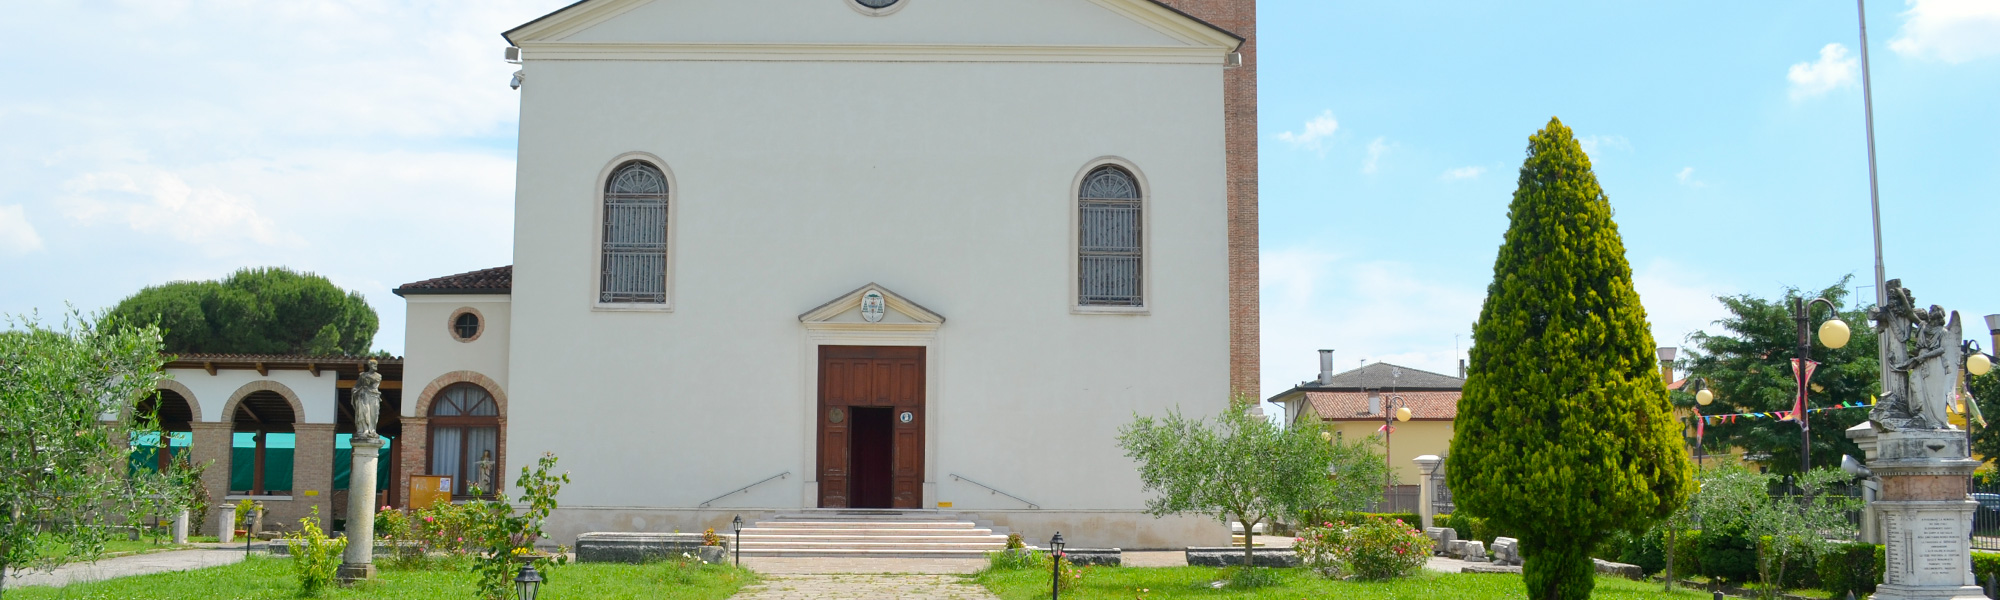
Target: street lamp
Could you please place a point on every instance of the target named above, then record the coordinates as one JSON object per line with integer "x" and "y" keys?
{"x": 736, "y": 525}
{"x": 1389, "y": 418}
{"x": 1704, "y": 397}
{"x": 528, "y": 583}
{"x": 1834, "y": 334}
{"x": 1055, "y": 566}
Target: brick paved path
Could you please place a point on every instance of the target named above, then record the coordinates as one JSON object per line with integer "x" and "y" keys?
{"x": 857, "y": 586}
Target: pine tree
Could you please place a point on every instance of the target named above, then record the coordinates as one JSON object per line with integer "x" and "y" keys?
{"x": 1564, "y": 432}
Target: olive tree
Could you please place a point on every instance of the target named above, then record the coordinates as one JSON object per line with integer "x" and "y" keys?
{"x": 63, "y": 434}
{"x": 1245, "y": 469}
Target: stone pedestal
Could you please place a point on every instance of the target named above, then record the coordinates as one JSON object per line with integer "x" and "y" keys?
{"x": 225, "y": 524}
{"x": 358, "y": 562}
{"x": 181, "y": 527}
{"x": 1925, "y": 515}
{"x": 1427, "y": 489}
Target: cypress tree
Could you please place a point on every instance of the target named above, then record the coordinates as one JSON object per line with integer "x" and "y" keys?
{"x": 1564, "y": 432}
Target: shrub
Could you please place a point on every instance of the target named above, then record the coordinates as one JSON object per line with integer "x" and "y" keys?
{"x": 1857, "y": 568}
{"x": 508, "y": 538}
{"x": 1727, "y": 554}
{"x": 1459, "y": 524}
{"x": 1014, "y": 542}
{"x": 244, "y": 509}
{"x": 1801, "y": 569}
{"x": 315, "y": 557}
{"x": 1412, "y": 519}
{"x": 709, "y": 538}
{"x": 1319, "y": 549}
{"x": 1250, "y": 578}
{"x": 1486, "y": 531}
{"x": 1381, "y": 548}
{"x": 682, "y": 571}
{"x": 1984, "y": 565}
{"x": 1010, "y": 560}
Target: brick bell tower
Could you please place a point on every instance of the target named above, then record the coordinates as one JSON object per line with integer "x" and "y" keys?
{"x": 1240, "y": 106}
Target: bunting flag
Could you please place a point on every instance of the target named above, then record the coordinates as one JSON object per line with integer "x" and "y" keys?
{"x": 1804, "y": 378}
{"x": 1385, "y": 428}
{"x": 1700, "y": 426}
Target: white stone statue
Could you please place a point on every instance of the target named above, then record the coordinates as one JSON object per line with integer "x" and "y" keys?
{"x": 1934, "y": 367}
{"x": 484, "y": 480}
{"x": 367, "y": 404}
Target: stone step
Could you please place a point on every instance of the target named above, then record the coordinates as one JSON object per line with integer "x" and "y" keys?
{"x": 863, "y": 525}
{"x": 992, "y": 545}
{"x": 863, "y": 553}
{"x": 865, "y": 533}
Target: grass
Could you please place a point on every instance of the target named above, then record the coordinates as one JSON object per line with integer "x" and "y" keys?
{"x": 265, "y": 578}
{"x": 1168, "y": 583}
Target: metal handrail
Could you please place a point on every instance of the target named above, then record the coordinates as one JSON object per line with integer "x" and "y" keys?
{"x": 996, "y": 491}
{"x": 746, "y": 488}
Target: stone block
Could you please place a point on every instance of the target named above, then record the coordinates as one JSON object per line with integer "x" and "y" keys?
{"x": 1455, "y": 548}
{"x": 1605, "y": 567}
{"x": 1441, "y": 538}
{"x": 1227, "y": 556}
{"x": 1507, "y": 551}
{"x": 1101, "y": 557}
{"x": 1475, "y": 551}
{"x": 627, "y": 547}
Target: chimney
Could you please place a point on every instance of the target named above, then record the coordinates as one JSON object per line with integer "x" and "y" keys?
{"x": 1461, "y": 368}
{"x": 1374, "y": 402}
{"x": 1325, "y": 367}
{"x": 1993, "y": 326}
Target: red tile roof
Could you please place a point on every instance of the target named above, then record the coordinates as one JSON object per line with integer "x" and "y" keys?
{"x": 497, "y": 280}
{"x": 1353, "y": 406}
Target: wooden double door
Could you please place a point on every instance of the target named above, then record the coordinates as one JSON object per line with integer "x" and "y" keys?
{"x": 871, "y": 427}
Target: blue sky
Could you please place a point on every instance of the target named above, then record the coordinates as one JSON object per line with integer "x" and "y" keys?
{"x": 372, "y": 141}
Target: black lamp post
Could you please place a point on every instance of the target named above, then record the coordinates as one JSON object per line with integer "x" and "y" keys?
{"x": 528, "y": 583}
{"x": 1703, "y": 397}
{"x": 1055, "y": 566}
{"x": 1834, "y": 333}
{"x": 1390, "y": 417}
{"x": 736, "y": 524}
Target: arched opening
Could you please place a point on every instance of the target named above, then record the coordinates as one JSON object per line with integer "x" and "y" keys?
{"x": 262, "y": 446}
{"x": 158, "y": 451}
{"x": 465, "y": 439}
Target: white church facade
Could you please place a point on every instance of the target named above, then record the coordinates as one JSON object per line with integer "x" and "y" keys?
{"x": 917, "y": 254}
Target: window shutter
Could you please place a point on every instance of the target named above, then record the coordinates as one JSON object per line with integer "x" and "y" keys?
{"x": 635, "y": 236}
{"x": 1109, "y": 240}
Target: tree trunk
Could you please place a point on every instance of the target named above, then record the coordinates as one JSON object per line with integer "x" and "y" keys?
{"x": 1249, "y": 536}
{"x": 1673, "y": 541}
{"x": 3, "y": 580}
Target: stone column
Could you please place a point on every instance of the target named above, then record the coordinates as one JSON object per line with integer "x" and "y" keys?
{"x": 225, "y": 524}
{"x": 1427, "y": 488}
{"x": 181, "y": 527}
{"x": 359, "y": 561}
{"x": 1926, "y": 516}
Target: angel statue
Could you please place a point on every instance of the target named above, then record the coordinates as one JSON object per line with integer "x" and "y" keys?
{"x": 367, "y": 404}
{"x": 1895, "y": 321}
{"x": 1934, "y": 369}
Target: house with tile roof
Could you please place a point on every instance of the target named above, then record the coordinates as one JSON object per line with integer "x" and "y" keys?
{"x": 1362, "y": 403}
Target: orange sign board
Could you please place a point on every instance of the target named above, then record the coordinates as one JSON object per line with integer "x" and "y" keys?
{"x": 428, "y": 490}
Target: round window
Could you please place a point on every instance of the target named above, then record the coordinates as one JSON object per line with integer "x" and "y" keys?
{"x": 465, "y": 326}
{"x": 877, "y": 8}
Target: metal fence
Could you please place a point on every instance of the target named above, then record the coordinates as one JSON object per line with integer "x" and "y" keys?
{"x": 1399, "y": 499}
{"x": 1986, "y": 517}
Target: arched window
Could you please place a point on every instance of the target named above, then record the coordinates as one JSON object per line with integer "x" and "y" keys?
{"x": 1109, "y": 246}
{"x": 635, "y": 236}
{"x": 465, "y": 438}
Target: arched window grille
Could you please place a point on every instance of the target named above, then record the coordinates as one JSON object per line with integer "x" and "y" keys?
{"x": 635, "y": 236}
{"x": 464, "y": 437}
{"x": 1109, "y": 251}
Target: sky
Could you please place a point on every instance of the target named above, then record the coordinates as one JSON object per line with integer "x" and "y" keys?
{"x": 372, "y": 142}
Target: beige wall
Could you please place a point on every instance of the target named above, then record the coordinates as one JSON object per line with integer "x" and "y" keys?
{"x": 433, "y": 350}
{"x": 1413, "y": 439}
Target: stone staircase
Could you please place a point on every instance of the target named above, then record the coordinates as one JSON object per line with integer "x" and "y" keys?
{"x": 871, "y": 533}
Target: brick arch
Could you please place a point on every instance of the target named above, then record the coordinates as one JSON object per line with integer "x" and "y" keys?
{"x": 264, "y": 385}
{"x": 194, "y": 404}
{"x": 424, "y": 399}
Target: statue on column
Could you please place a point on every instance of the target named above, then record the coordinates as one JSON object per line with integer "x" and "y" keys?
{"x": 367, "y": 404}
{"x": 484, "y": 480}
{"x": 1918, "y": 392}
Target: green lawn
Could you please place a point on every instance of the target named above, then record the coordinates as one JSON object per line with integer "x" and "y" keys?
{"x": 1133, "y": 583}
{"x": 264, "y": 578}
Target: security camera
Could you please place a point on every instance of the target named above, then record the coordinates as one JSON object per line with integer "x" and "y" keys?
{"x": 1853, "y": 467}
{"x": 518, "y": 78}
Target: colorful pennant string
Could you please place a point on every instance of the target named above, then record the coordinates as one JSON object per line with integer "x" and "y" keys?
{"x": 1781, "y": 415}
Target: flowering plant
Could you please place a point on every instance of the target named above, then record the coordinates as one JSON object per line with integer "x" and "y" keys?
{"x": 1381, "y": 548}
{"x": 1319, "y": 547}
{"x": 709, "y": 538}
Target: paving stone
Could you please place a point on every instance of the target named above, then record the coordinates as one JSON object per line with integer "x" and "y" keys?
{"x": 858, "y": 586}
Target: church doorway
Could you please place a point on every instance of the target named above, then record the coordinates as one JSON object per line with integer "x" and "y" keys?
{"x": 871, "y": 427}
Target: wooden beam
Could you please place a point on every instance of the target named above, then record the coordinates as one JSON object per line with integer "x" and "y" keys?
{"x": 208, "y": 366}
{"x": 344, "y": 410}
{"x": 253, "y": 415}
{"x": 261, "y": 371}
{"x": 314, "y": 367}
{"x": 348, "y": 384}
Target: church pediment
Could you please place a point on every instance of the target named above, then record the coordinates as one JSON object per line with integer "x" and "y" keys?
{"x": 802, "y": 25}
{"x": 871, "y": 304}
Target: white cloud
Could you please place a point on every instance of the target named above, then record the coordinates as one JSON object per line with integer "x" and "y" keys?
{"x": 1376, "y": 148}
{"x": 1834, "y": 69}
{"x": 1374, "y": 310}
{"x": 1315, "y": 132}
{"x": 17, "y": 235}
{"x": 154, "y": 201}
{"x": 1463, "y": 173}
{"x": 1686, "y": 177}
{"x": 1678, "y": 301}
{"x": 1591, "y": 143}
{"x": 1953, "y": 31}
